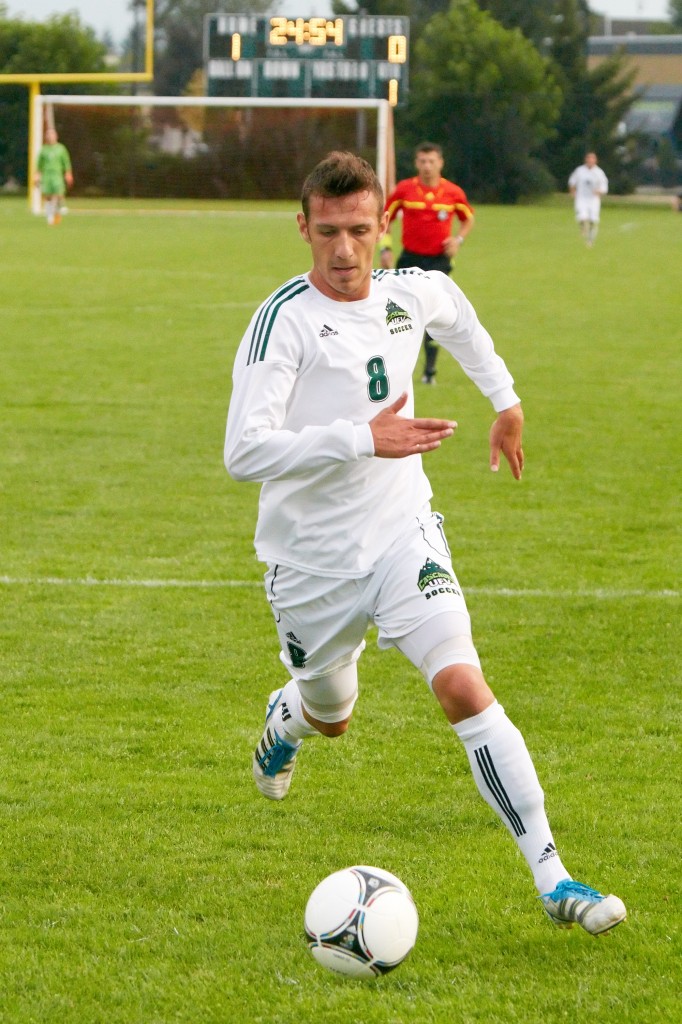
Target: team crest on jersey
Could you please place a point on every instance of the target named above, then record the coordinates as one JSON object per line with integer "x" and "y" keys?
{"x": 434, "y": 580}
{"x": 397, "y": 319}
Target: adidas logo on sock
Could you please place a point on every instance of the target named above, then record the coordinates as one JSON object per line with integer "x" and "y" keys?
{"x": 286, "y": 714}
{"x": 548, "y": 852}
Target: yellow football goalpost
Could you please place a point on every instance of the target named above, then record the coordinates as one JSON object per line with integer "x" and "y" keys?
{"x": 34, "y": 80}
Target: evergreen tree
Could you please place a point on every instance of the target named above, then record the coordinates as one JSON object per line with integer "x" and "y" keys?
{"x": 488, "y": 97}
{"x": 532, "y": 17}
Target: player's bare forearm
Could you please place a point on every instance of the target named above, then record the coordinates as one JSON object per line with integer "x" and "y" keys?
{"x": 396, "y": 437}
{"x": 506, "y": 437}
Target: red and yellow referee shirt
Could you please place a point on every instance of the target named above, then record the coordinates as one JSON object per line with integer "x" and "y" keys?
{"x": 427, "y": 213}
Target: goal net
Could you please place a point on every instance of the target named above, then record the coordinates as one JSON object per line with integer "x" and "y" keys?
{"x": 206, "y": 147}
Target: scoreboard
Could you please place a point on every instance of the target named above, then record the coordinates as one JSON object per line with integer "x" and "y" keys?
{"x": 349, "y": 57}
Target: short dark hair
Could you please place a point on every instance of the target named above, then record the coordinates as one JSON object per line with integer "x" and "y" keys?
{"x": 428, "y": 147}
{"x": 341, "y": 174}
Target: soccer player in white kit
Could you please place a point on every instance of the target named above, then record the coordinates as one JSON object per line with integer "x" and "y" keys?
{"x": 587, "y": 184}
{"x": 322, "y": 413}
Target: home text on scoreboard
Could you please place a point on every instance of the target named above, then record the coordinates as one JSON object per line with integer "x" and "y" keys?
{"x": 350, "y": 57}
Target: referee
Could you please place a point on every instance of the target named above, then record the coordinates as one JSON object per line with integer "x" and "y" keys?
{"x": 429, "y": 204}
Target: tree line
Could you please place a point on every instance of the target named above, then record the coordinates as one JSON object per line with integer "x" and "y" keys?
{"x": 503, "y": 85}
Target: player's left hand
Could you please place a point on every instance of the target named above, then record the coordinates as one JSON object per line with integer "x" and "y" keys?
{"x": 505, "y": 437}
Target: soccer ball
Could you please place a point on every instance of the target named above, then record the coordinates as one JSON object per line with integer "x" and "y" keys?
{"x": 361, "y": 921}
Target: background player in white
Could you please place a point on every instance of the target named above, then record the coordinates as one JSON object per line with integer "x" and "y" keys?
{"x": 322, "y": 413}
{"x": 587, "y": 184}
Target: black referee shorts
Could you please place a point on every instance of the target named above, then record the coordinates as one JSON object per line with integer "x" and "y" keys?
{"x": 415, "y": 259}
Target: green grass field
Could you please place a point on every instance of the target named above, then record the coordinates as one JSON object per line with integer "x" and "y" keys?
{"x": 142, "y": 878}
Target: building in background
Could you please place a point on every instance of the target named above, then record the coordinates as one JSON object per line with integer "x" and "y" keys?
{"x": 656, "y": 114}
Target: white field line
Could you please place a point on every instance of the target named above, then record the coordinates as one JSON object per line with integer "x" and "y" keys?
{"x": 596, "y": 593}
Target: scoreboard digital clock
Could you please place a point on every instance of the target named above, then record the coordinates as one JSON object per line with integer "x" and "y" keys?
{"x": 317, "y": 31}
{"x": 350, "y": 57}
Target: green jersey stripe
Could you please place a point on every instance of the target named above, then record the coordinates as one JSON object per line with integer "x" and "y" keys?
{"x": 267, "y": 315}
{"x": 275, "y": 311}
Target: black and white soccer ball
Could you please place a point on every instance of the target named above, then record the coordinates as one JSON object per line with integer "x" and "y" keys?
{"x": 361, "y": 921}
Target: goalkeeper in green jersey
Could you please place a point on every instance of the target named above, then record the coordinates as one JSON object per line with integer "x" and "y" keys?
{"x": 54, "y": 175}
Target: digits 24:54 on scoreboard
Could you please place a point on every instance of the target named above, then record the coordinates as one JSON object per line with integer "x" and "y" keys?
{"x": 350, "y": 57}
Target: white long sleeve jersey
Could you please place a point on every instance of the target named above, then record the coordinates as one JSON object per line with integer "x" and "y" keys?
{"x": 309, "y": 375}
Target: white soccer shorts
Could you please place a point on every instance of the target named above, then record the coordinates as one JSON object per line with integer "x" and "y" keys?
{"x": 588, "y": 209}
{"x": 322, "y": 621}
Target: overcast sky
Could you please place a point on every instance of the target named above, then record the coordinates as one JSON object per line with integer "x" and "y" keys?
{"x": 113, "y": 15}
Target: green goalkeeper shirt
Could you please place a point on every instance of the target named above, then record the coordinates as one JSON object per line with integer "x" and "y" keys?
{"x": 53, "y": 164}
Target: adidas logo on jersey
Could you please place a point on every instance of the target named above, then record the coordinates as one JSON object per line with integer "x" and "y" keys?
{"x": 327, "y": 331}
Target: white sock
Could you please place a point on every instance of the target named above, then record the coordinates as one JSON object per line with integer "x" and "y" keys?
{"x": 288, "y": 719}
{"x": 507, "y": 781}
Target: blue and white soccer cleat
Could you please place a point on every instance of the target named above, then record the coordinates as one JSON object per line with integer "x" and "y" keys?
{"x": 274, "y": 759}
{"x": 572, "y": 902}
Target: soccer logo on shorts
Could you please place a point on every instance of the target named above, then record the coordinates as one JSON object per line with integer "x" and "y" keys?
{"x": 434, "y": 580}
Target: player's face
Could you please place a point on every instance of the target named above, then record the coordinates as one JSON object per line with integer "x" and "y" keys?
{"x": 591, "y": 159}
{"x": 429, "y": 165}
{"x": 343, "y": 234}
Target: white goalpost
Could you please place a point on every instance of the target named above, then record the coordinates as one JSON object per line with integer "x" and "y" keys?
{"x": 193, "y": 111}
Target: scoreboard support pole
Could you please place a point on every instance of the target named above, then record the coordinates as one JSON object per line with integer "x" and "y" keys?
{"x": 386, "y": 133}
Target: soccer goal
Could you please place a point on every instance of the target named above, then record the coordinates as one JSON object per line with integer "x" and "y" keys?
{"x": 209, "y": 147}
